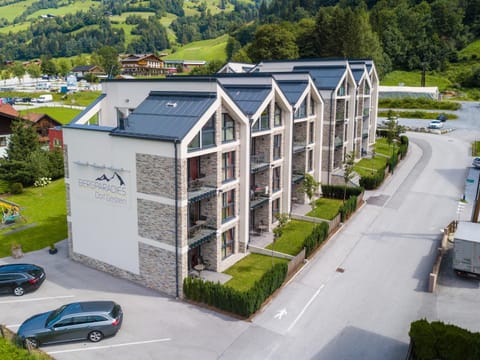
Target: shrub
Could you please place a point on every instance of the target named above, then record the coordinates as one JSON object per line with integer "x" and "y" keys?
{"x": 316, "y": 237}
{"x": 42, "y": 182}
{"x": 243, "y": 303}
{"x": 348, "y": 208}
{"x": 371, "y": 182}
{"x": 16, "y": 188}
{"x": 437, "y": 340}
{"x": 337, "y": 191}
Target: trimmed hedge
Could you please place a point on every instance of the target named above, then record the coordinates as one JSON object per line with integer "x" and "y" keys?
{"x": 243, "y": 303}
{"x": 316, "y": 237}
{"x": 348, "y": 208}
{"x": 371, "y": 182}
{"x": 338, "y": 191}
{"x": 437, "y": 340}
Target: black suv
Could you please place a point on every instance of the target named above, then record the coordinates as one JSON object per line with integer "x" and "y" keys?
{"x": 20, "y": 278}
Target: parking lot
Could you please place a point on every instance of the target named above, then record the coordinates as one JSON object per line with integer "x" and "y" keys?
{"x": 153, "y": 324}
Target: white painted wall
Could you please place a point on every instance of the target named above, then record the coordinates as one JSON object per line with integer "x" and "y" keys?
{"x": 104, "y": 222}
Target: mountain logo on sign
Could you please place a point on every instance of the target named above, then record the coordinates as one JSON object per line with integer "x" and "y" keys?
{"x": 115, "y": 175}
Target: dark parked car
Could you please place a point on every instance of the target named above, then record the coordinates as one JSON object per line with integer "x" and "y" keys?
{"x": 20, "y": 278}
{"x": 92, "y": 320}
{"x": 442, "y": 117}
{"x": 476, "y": 162}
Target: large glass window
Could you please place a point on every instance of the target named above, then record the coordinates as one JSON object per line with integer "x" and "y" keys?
{"x": 276, "y": 179}
{"x": 228, "y": 241}
{"x": 228, "y": 205}
{"x": 205, "y": 138}
{"x": 301, "y": 112}
{"x": 277, "y": 120}
{"x": 228, "y": 128}
{"x": 311, "y": 134}
{"x": 275, "y": 209}
{"x": 228, "y": 166}
{"x": 312, "y": 107}
{"x": 265, "y": 119}
{"x": 277, "y": 147}
{"x": 310, "y": 160}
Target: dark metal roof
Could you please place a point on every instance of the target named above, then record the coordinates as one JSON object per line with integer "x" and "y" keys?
{"x": 325, "y": 77}
{"x": 248, "y": 97}
{"x": 166, "y": 115}
{"x": 292, "y": 89}
{"x": 358, "y": 74}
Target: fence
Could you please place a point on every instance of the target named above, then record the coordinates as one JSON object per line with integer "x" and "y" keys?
{"x": 295, "y": 263}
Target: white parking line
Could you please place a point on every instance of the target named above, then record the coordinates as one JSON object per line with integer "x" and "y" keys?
{"x": 305, "y": 307}
{"x": 36, "y": 299}
{"x": 108, "y": 346}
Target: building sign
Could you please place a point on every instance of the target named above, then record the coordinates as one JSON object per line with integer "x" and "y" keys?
{"x": 107, "y": 186}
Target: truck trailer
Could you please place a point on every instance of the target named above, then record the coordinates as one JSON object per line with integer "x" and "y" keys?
{"x": 466, "y": 249}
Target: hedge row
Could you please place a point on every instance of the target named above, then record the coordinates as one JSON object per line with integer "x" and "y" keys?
{"x": 316, "y": 237}
{"x": 371, "y": 182}
{"x": 348, "y": 208}
{"x": 338, "y": 191}
{"x": 243, "y": 303}
{"x": 437, "y": 340}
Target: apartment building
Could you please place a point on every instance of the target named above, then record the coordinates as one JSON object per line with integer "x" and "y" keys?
{"x": 342, "y": 127}
{"x": 165, "y": 174}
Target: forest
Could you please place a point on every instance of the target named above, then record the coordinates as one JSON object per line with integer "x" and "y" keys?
{"x": 397, "y": 34}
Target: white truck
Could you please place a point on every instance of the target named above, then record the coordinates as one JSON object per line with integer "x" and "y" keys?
{"x": 466, "y": 249}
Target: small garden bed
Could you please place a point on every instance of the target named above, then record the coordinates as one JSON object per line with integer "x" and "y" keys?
{"x": 326, "y": 208}
{"x": 292, "y": 240}
{"x": 249, "y": 270}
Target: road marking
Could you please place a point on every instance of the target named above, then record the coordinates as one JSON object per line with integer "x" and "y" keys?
{"x": 305, "y": 307}
{"x": 108, "y": 346}
{"x": 36, "y": 299}
{"x": 280, "y": 314}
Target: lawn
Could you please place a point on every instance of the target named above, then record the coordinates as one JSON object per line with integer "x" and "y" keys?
{"x": 383, "y": 147}
{"x": 71, "y": 8}
{"x": 61, "y": 114}
{"x": 410, "y": 78}
{"x": 427, "y": 115}
{"x": 326, "y": 208}
{"x": 208, "y": 50}
{"x": 292, "y": 239}
{"x": 368, "y": 166}
{"x": 472, "y": 49}
{"x": 45, "y": 211}
{"x": 250, "y": 269}
{"x": 10, "y": 12}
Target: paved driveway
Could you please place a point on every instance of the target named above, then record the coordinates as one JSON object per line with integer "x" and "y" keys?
{"x": 154, "y": 325}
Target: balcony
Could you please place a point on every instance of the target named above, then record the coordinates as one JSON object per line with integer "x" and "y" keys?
{"x": 202, "y": 231}
{"x": 258, "y": 163}
{"x": 197, "y": 191}
{"x": 364, "y": 134}
{"x": 297, "y": 177}
{"x": 299, "y": 146}
{"x": 338, "y": 143}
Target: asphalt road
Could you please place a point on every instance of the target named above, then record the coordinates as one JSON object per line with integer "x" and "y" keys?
{"x": 354, "y": 300}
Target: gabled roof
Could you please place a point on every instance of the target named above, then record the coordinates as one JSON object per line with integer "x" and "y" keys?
{"x": 236, "y": 68}
{"x": 325, "y": 77}
{"x": 358, "y": 74}
{"x": 83, "y": 68}
{"x": 248, "y": 97}
{"x": 166, "y": 115}
{"x": 137, "y": 57}
{"x": 292, "y": 89}
{"x": 9, "y": 111}
{"x": 36, "y": 117}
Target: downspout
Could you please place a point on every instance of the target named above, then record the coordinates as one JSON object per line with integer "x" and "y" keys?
{"x": 176, "y": 219}
{"x": 330, "y": 138}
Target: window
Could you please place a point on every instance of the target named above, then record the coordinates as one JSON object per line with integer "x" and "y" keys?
{"x": 311, "y": 134}
{"x": 277, "y": 147}
{"x": 228, "y": 241}
{"x": 277, "y": 119}
{"x": 56, "y": 143}
{"x": 312, "y": 107}
{"x": 276, "y": 179}
{"x": 367, "y": 89}
{"x": 228, "y": 205}
{"x": 310, "y": 160}
{"x": 263, "y": 123}
{"x": 64, "y": 322}
{"x": 228, "y": 128}
{"x": 208, "y": 133}
{"x": 205, "y": 138}
{"x": 301, "y": 112}
{"x": 228, "y": 166}
{"x": 275, "y": 209}
{"x": 3, "y": 141}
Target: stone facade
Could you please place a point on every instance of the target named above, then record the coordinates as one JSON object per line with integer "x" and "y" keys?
{"x": 155, "y": 175}
{"x": 155, "y": 221}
